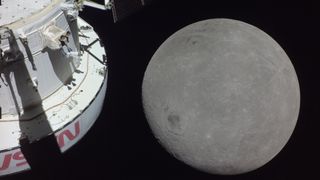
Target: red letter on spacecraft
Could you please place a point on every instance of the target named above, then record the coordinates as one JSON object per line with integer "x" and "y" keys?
{"x": 6, "y": 162}
{"x": 12, "y": 158}
{"x": 68, "y": 134}
{"x": 18, "y": 156}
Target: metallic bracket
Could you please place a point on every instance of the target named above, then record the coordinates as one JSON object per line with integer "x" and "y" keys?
{"x": 87, "y": 47}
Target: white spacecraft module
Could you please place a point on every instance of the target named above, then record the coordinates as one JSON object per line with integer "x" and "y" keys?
{"x": 53, "y": 76}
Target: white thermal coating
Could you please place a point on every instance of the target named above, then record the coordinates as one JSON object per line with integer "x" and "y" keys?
{"x": 14, "y": 10}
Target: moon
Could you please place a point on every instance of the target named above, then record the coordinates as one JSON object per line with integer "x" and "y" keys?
{"x": 222, "y": 96}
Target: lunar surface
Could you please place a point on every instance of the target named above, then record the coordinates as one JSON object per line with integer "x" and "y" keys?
{"x": 221, "y": 96}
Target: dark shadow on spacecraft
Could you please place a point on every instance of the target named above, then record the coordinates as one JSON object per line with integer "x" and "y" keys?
{"x": 27, "y": 101}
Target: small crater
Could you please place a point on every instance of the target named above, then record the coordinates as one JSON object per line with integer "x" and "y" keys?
{"x": 175, "y": 124}
{"x": 176, "y": 155}
{"x": 166, "y": 109}
{"x": 192, "y": 40}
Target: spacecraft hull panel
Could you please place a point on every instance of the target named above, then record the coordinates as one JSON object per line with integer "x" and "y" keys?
{"x": 51, "y": 67}
{"x": 13, "y": 161}
{"x": 68, "y": 112}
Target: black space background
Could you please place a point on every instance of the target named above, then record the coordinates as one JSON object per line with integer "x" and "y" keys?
{"x": 121, "y": 146}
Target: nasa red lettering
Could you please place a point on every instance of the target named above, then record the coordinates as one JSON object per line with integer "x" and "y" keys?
{"x": 20, "y": 157}
{"x": 67, "y": 133}
{"x": 16, "y": 158}
{"x": 6, "y": 162}
{"x": 8, "y": 158}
